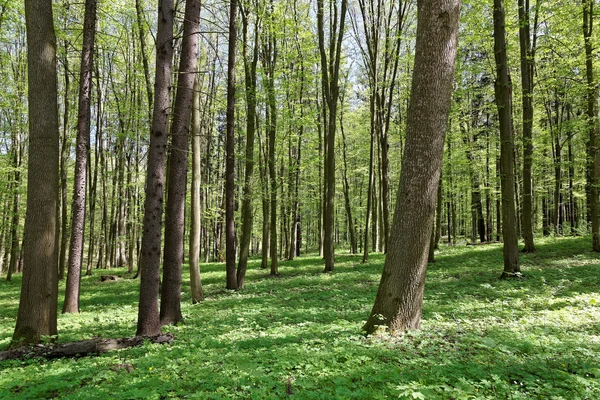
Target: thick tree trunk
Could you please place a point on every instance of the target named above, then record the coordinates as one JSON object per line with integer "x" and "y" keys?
{"x": 400, "y": 296}
{"x": 39, "y": 291}
{"x": 78, "y": 209}
{"x": 170, "y": 305}
{"x": 148, "y": 315}
{"x": 507, "y": 177}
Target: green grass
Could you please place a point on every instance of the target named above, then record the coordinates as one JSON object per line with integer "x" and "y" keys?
{"x": 482, "y": 337}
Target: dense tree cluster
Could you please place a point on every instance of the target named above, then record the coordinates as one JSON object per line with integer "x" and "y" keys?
{"x": 300, "y": 115}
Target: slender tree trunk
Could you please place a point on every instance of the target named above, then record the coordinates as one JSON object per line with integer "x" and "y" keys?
{"x": 148, "y": 314}
{"x": 196, "y": 209}
{"x": 507, "y": 177}
{"x": 64, "y": 158}
{"x": 71, "y": 304}
{"x": 527, "y": 65}
{"x": 250, "y": 81}
{"x": 399, "y": 299}
{"x": 230, "y": 153}
{"x": 39, "y": 291}
{"x": 593, "y": 165}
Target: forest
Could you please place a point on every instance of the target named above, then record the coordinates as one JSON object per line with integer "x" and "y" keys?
{"x": 243, "y": 199}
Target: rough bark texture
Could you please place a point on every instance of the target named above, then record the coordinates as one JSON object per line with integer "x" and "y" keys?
{"x": 170, "y": 304}
{"x": 39, "y": 291}
{"x": 507, "y": 176}
{"x": 78, "y": 208}
{"x": 148, "y": 315}
{"x": 230, "y": 154}
{"x": 400, "y": 296}
{"x": 527, "y": 54}
{"x": 196, "y": 212}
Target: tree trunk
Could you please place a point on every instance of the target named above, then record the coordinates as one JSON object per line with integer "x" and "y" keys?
{"x": 170, "y": 305}
{"x": 400, "y": 296}
{"x": 64, "y": 158}
{"x": 593, "y": 164}
{"x": 250, "y": 81}
{"x": 148, "y": 315}
{"x": 39, "y": 291}
{"x": 330, "y": 67}
{"x": 507, "y": 178}
{"x": 231, "y": 277}
{"x": 71, "y": 304}
{"x": 196, "y": 226}
{"x": 527, "y": 65}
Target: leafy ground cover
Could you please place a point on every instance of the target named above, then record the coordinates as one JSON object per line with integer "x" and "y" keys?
{"x": 482, "y": 338}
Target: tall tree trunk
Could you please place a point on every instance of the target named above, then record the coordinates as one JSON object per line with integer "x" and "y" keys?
{"x": 39, "y": 291}
{"x": 507, "y": 176}
{"x": 196, "y": 226}
{"x": 353, "y": 246}
{"x": 330, "y": 67}
{"x": 170, "y": 305}
{"x": 527, "y": 64}
{"x": 593, "y": 164}
{"x": 399, "y": 298}
{"x": 230, "y": 154}
{"x": 71, "y": 304}
{"x": 250, "y": 65}
{"x": 64, "y": 158}
{"x": 148, "y": 315}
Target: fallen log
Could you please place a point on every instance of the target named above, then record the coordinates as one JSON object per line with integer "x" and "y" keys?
{"x": 483, "y": 243}
{"x": 81, "y": 348}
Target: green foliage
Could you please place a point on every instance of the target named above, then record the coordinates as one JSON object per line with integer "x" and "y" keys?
{"x": 481, "y": 338}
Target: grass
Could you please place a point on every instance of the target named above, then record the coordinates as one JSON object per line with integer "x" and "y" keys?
{"x": 482, "y": 338}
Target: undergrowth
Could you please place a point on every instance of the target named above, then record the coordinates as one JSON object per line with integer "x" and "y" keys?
{"x": 300, "y": 335}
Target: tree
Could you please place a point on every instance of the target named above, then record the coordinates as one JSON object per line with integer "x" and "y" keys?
{"x": 39, "y": 291}
{"x": 330, "y": 71}
{"x": 196, "y": 207}
{"x": 78, "y": 209}
{"x": 503, "y": 90}
{"x": 527, "y": 49}
{"x": 148, "y": 315}
{"x": 400, "y": 295}
{"x": 230, "y": 153}
{"x": 250, "y": 64}
{"x": 593, "y": 165}
{"x": 170, "y": 305}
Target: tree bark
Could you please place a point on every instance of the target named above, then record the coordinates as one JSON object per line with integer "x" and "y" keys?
{"x": 400, "y": 295}
{"x": 196, "y": 226}
{"x": 527, "y": 75}
{"x": 148, "y": 315}
{"x": 250, "y": 65}
{"x": 503, "y": 92}
{"x": 231, "y": 277}
{"x": 170, "y": 305}
{"x": 78, "y": 209}
{"x": 39, "y": 291}
{"x": 593, "y": 164}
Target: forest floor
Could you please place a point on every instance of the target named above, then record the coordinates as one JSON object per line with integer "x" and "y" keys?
{"x": 534, "y": 338}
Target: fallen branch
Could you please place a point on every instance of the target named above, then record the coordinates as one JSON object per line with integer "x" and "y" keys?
{"x": 80, "y": 349}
